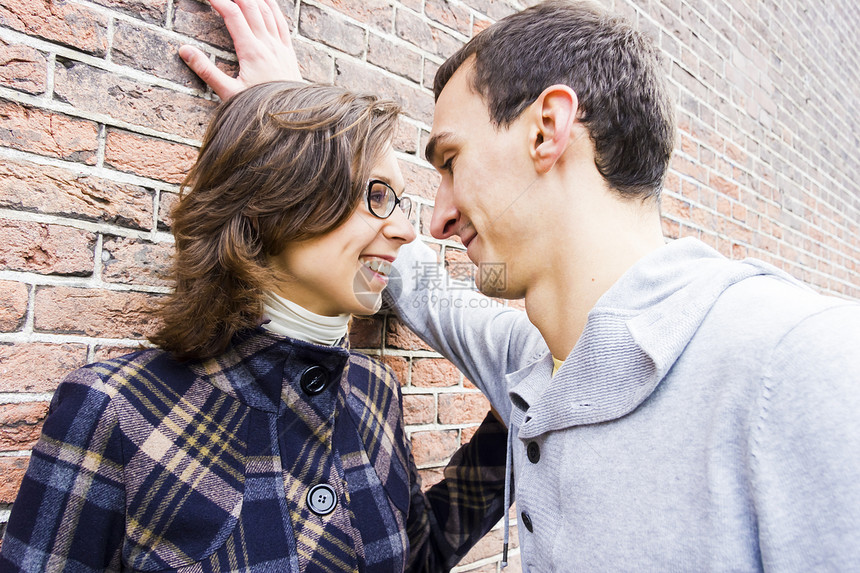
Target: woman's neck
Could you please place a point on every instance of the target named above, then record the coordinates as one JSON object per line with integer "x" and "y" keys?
{"x": 287, "y": 318}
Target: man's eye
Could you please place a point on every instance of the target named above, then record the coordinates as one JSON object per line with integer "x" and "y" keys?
{"x": 448, "y": 165}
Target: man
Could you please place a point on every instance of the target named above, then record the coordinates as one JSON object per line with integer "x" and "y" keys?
{"x": 669, "y": 409}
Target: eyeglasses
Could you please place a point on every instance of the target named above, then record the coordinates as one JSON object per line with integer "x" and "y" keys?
{"x": 381, "y": 199}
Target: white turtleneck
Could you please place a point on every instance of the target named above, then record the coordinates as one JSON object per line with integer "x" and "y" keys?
{"x": 289, "y": 319}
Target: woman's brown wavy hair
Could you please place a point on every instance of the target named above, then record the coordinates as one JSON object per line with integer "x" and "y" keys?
{"x": 279, "y": 162}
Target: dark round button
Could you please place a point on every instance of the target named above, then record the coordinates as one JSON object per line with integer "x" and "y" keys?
{"x": 527, "y": 521}
{"x": 322, "y": 499}
{"x": 314, "y": 380}
{"x": 533, "y": 452}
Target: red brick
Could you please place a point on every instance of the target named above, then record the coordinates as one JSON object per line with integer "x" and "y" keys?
{"x": 200, "y": 21}
{"x": 103, "y": 353}
{"x": 430, "y": 477}
{"x": 406, "y": 138}
{"x": 495, "y": 9}
{"x": 62, "y": 22}
{"x": 98, "y": 91}
{"x": 396, "y": 58}
{"x": 462, "y": 408}
{"x": 399, "y": 365}
{"x": 136, "y": 261}
{"x": 420, "y": 180}
{"x": 398, "y": 336}
{"x": 466, "y": 434}
{"x": 366, "y": 332}
{"x": 434, "y": 373}
{"x": 21, "y": 425}
{"x": 38, "y": 366}
{"x": 416, "y": 103}
{"x": 315, "y": 64}
{"x": 13, "y": 305}
{"x": 148, "y": 156}
{"x": 430, "y": 69}
{"x": 31, "y": 187}
{"x": 153, "y": 53}
{"x": 451, "y": 15}
{"x": 375, "y": 13}
{"x": 47, "y": 133}
{"x": 418, "y": 32}
{"x": 419, "y": 408}
{"x": 23, "y": 68}
{"x": 93, "y": 312}
{"x": 12, "y": 469}
{"x": 167, "y": 201}
{"x": 479, "y": 25}
{"x": 48, "y": 249}
{"x": 434, "y": 447}
{"x": 331, "y": 30}
{"x": 152, "y": 11}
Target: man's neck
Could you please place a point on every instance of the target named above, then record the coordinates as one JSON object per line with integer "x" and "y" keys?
{"x": 587, "y": 261}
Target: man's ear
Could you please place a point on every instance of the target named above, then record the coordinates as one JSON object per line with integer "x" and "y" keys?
{"x": 553, "y": 115}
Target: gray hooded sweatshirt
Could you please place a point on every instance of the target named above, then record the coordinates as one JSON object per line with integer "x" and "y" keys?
{"x": 708, "y": 419}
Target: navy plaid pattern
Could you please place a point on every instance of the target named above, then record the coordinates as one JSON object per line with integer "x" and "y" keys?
{"x": 147, "y": 464}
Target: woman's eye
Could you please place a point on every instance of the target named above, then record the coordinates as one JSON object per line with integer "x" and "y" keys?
{"x": 378, "y": 197}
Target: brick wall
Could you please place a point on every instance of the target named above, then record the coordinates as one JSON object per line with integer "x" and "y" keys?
{"x": 99, "y": 120}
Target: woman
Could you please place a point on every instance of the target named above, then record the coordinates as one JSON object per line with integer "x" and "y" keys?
{"x": 252, "y": 438}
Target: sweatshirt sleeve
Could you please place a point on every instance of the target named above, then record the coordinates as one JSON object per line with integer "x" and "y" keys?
{"x": 806, "y": 446}
{"x": 454, "y": 514}
{"x": 483, "y": 338}
{"x": 69, "y": 514}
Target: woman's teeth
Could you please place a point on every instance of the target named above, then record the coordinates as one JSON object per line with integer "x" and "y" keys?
{"x": 378, "y": 266}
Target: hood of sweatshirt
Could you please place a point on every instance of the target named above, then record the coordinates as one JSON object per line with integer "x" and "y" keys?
{"x": 633, "y": 336}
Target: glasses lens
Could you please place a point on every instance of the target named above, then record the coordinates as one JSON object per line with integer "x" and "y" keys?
{"x": 380, "y": 198}
{"x": 406, "y": 205}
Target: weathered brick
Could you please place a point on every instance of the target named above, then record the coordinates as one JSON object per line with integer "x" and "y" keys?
{"x": 418, "y": 32}
{"x": 12, "y": 469}
{"x": 400, "y": 367}
{"x": 315, "y": 64}
{"x": 377, "y": 14}
{"x": 462, "y": 408}
{"x": 416, "y": 103}
{"x": 48, "y": 249}
{"x": 93, "y": 312}
{"x": 57, "y": 21}
{"x": 430, "y": 69}
{"x": 167, "y": 201}
{"x": 406, "y": 137}
{"x": 98, "y": 91}
{"x": 20, "y": 425}
{"x": 479, "y": 25}
{"x": 152, "y": 11}
{"x": 13, "y": 305}
{"x": 148, "y": 156}
{"x": 453, "y": 16}
{"x": 331, "y": 30}
{"x": 419, "y": 408}
{"x": 395, "y": 58}
{"x": 430, "y": 477}
{"x": 434, "y": 373}
{"x": 398, "y": 336}
{"x": 495, "y": 9}
{"x": 47, "y": 133}
{"x": 366, "y": 332}
{"x": 198, "y": 20}
{"x": 103, "y": 352}
{"x": 154, "y": 53}
{"x": 434, "y": 447}
{"x": 30, "y": 187}
{"x": 420, "y": 180}
{"x": 136, "y": 261}
{"x": 38, "y": 366}
{"x": 23, "y": 68}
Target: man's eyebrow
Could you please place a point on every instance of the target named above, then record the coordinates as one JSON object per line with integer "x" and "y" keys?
{"x": 430, "y": 148}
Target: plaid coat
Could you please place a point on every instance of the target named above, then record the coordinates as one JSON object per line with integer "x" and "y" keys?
{"x": 148, "y": 464}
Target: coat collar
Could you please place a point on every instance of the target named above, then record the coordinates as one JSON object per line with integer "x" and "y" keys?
{"x": 263, "y": 369}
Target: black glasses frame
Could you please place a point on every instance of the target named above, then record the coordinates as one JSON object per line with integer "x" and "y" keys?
{"x": 404, "y": 203}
